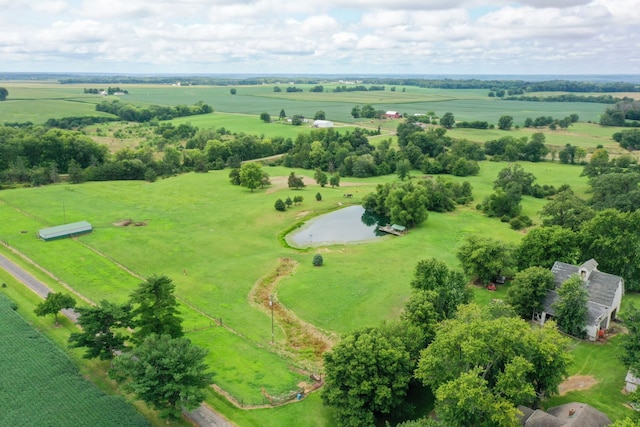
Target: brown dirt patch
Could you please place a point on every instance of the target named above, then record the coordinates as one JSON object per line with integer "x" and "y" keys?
{"x": 282, "y": 182}
{"x": 301, "y": 214}
{"x": 576, "y": 382}
{"x": 128, "y": 222}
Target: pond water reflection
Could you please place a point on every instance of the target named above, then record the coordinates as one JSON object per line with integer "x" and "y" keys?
{"x": 348, "y": 225}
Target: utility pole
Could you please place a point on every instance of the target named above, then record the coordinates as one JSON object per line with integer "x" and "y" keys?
{"x": 271, "y": 305}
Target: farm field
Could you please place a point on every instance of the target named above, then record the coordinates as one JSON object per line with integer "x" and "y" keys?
{"x": 55, "y": 100}
{"x": 58, "y": 395}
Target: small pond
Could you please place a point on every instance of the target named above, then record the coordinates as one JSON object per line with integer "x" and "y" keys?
{"x": 348, "y": 225}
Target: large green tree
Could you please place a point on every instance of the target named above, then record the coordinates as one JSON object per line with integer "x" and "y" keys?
{"x": 449, "y": 285}
{"x": 167, "y": 373}
{"x": 484, "y": 258}
{"x": 518, "y": 364}
{"x": 571, "y": 307}
{"x": 3, "y": 93}
{"x": 630, "y": 356}
{"x": 528, "y": 290}
{"x": 619, "y": 191}
{"x": 156, "y": 308}
{"x": 447, "y": 121}
{"x": 251, "y": 175}
{"x": 103, "y": 329}
{"x": 505, "y": 122}
{"x": 367, "y": 374}
{"x": 566, "y": 210}
{"x": 543, "y": 246}
{"x": 53, "y": 304}
{"x": 611, "y": 237}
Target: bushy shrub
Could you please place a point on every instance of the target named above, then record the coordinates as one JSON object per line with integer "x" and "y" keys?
{"x": 280, "y": 206}
{"x": 520, "y": 222}
{"x": 317, "y": 260}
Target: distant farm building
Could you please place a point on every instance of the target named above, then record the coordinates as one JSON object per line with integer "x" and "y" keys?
{"x": 66, "y": 230}
{"x": 322, "y": 124}
{"x": 392, "y": 115}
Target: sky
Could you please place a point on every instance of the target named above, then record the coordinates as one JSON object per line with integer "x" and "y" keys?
{"x": 259, "y": 37}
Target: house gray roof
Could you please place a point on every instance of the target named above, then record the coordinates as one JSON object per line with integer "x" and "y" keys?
{"x": 583, "y": 416}
{"x": 602, "y": 286}
{"x": 64, "y": 230}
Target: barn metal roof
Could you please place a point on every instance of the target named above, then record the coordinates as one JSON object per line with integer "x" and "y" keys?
{"x": 65, "y": 230}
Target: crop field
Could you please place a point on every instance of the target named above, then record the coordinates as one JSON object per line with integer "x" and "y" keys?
{"x": 57, "y": 394}
{"x": 55, "y": 100}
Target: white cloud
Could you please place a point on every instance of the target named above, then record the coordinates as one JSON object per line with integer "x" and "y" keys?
{"x": 321, "y": 35}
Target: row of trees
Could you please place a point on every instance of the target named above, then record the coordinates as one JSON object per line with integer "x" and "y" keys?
{"x": 144, "y": 340}
{"x": 131, "y": 113}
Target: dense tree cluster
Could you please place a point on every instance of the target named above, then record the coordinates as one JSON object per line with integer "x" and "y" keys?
{"x": 407, "y": 203}
{"x": 131, "y": 113}
{"x": 109, "y": 91}
{"x": 481, "y": 368}
{"x": 620, "y": 113}
{"x": 513, "y": 149}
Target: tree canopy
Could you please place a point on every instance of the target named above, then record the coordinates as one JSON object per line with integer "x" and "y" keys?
{"x": 167, "y": 373}
{"x": 3, "y": 93}
{"x": 103, "y": 329}
{"x": 475, "y": 360}
{"x": 484, "y": 257}
{"x": 156, "y": 308}
{"x": 529, "y": 289}
{"x": 53, "y": 304}
{"x": 251, "y": 175}
{"x": 367, "y": 374}
{"x": 571, "y": 307}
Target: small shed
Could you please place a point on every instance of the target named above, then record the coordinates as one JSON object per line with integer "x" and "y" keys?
{"x": 631, "y": 382}
{"x": 65, "y": 230}
{"x": 392, "y": 115}
{"x": 322, "y": 124}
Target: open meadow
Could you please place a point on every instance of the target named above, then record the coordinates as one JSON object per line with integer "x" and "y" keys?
{"x": 216, "y": 241}
{"x": 222, "y": 245}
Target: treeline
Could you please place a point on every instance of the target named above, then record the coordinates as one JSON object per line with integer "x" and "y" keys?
{"x": 132, "y": 113}
{"x": 602, "y": 99}
{"x": 110, "y": 90}
{"x": 37, "y": 155}
{"x": 357, "y": 88}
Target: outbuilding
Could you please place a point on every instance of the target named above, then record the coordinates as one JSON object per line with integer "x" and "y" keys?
{"x": 65, "y": 230}
{"x": 322, "y": 124}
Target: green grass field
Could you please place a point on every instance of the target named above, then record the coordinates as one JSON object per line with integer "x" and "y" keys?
{"x": 216, "y": 240}
{"x": 57, "y": 395}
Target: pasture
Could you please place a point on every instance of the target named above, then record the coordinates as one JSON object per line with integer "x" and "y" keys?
{"x": 216, "y": 241}
{"x": 57, "y": 394}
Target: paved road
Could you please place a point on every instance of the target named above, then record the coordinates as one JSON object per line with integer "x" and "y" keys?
{"x": 32, "y": 283}
{"x": 202, "y": 416}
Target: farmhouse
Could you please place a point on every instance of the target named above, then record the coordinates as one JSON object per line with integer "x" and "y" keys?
{"x": 605, "y": 295}
{"x": 322, "y": 124}
{"x": 570, "y": 414}
{"x": 66, "y": 230}
{"x": 392, "y": 115}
